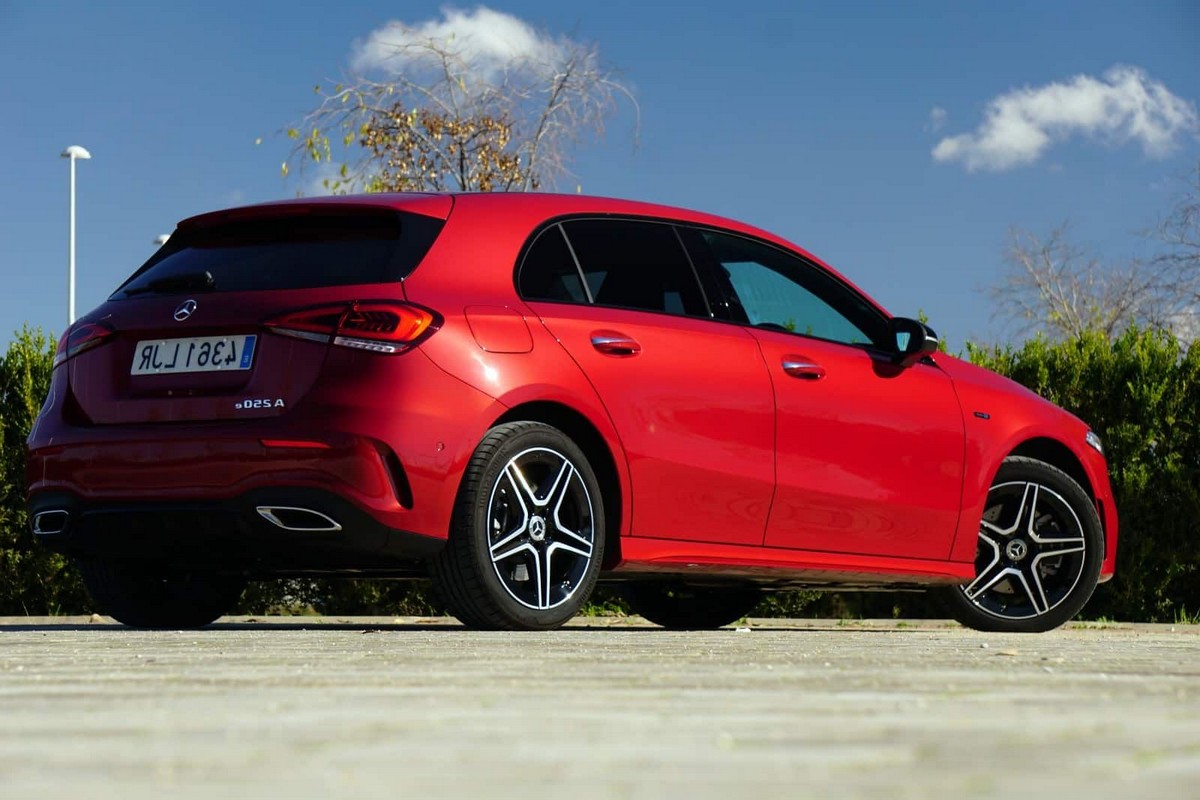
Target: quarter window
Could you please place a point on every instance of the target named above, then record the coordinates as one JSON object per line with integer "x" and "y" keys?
{"x": 549, "y": 271}
{"x": 636, "y": 264}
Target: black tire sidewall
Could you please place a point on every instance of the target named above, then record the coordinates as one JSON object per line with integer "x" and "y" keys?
{"x": 701, "y": 607}
{"x": 147, "y": 595}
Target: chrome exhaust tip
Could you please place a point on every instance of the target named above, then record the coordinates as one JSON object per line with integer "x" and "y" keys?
{"x": 47, "y": 523}
{"x": 291, "y": 518}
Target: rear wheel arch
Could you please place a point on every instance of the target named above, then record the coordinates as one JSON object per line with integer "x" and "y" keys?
{"x": 593, "y": 444}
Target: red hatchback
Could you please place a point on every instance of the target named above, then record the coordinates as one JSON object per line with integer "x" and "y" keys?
{"x": 520, "y": 394}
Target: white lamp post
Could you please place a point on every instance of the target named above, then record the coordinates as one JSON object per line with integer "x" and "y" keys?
{"x": 73, "y": 152}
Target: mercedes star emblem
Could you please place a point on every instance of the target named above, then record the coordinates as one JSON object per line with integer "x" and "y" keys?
{"x": 185, "y": 310}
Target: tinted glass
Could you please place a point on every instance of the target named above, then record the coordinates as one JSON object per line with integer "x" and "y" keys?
{"x": 298, "y": 251}
{"x": 549, "y": 271}
{"x": 633, "y": 264}
{"x": 775, "y": 289}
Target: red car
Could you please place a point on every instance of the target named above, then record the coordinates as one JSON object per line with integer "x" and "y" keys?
{"x": 518, "y": 395}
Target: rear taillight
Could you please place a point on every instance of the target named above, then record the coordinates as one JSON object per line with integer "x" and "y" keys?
{"x": 378, "y": 327}
{"x": 80, "y": 337}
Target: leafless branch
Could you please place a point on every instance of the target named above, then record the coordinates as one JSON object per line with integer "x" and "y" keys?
{"x": 1055, "y": 288}
{"x": 441, "y": 123}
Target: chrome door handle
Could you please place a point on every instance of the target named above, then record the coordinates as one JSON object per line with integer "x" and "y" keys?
{"x": 803, "y": 369}
{"x": 613, "y": 343}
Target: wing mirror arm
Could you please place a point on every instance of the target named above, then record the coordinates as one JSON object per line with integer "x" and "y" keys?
{"x": 912, "y": 340}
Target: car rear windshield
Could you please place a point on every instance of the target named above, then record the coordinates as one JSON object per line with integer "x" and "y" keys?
{"x": 297, "y": 251}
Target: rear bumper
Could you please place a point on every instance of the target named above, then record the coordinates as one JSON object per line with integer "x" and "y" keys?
{"x": 388, "y": 456}
{"x": 182, "y": 465}
{"x": 230, "y": 535}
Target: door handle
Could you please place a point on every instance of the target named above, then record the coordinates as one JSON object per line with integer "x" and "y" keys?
{"x": 803, "y": 368}
{"x": 613, "y": 343}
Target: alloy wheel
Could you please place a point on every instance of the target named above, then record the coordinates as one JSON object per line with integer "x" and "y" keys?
{"x": 541, "y": 528}
{"x": 1031, "y": 552}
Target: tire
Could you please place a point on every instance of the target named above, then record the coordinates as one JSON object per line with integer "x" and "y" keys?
{"x": 146, "y": 595}
{"x": 679, "y": 606}
{"x": 1039, "y": 555}
{"x": 527, "y": 535}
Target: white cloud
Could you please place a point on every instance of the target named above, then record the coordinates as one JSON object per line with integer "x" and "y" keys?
{"x": 489, "y": 42}
{"x": 937, "y": 118}
{"x": 1124, "y": 106}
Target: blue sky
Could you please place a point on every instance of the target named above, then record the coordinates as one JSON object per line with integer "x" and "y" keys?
{"x": 814, "y": 120}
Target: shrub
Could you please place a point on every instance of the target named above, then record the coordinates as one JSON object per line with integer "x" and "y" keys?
{"x": 33, "y": 580}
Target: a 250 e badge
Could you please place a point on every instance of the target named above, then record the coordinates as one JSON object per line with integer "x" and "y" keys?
{"x": 259, "y": 402}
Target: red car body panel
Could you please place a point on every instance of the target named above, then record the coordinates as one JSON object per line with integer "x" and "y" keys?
{"x": 722, "y": 463}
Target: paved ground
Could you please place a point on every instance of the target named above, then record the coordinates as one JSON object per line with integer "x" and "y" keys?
{"x": 419, "y": 709}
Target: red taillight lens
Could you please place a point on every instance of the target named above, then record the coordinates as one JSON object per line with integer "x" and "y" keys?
{"x": 378, "y": 327}
{"x": 80, "y": 337}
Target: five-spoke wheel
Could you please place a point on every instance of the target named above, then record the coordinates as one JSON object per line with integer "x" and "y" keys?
{"x": 528, "y": 532}
{"x": 1039, "y": 553}
{"x": 541, "y": 528}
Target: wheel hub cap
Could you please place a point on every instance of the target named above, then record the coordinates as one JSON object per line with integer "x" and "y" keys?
{"x": 537, "y": 529}
{"x": 1016, "y": 550}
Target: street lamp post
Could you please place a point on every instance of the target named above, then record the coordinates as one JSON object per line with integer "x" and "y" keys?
{"x": 73, "y": 152}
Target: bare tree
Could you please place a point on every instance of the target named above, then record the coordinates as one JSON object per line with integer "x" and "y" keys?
{"x": 1178, "y": 265}
{"x": 445, "y": 115}
{"x": 1056, "y": 288}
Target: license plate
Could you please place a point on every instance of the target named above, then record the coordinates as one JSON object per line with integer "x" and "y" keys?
{"x": 198, "y": 354}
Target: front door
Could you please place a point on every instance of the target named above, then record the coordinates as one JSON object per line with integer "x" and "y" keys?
{"x": 869, "y": 456}
{"x": 689, "y": 397}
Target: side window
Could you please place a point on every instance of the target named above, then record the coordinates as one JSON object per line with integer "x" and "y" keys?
{"x": 549, "y": 271}
{"x": 634, "y": 264}
{"x": 779, "y": 290}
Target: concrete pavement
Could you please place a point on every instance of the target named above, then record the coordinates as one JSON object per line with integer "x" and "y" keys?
{"x": 365, "y": 708}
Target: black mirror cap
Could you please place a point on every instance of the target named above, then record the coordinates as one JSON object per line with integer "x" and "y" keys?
{"x": 912, "y": 340}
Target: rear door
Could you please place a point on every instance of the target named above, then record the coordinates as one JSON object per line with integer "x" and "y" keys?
{"x": 869, "y": 456}
{"x": 188, "y": 337}
{"x": 688, "y": 396}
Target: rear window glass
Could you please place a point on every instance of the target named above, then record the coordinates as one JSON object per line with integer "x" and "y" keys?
{"x": 298, "y": 251}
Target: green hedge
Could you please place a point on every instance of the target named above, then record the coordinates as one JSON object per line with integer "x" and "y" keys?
{"x": 1140, "y": 392}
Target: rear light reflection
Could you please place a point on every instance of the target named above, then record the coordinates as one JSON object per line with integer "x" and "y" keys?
{"x": 295, "y": 444}
{"x": 376, "y": 327}
{"x": 80, "y": 337}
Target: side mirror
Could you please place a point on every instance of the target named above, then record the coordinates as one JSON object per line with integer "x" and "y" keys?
{"x": 913, "y": 340}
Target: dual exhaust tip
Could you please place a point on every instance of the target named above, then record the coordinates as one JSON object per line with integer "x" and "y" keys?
{"x": 289, "y": 518}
